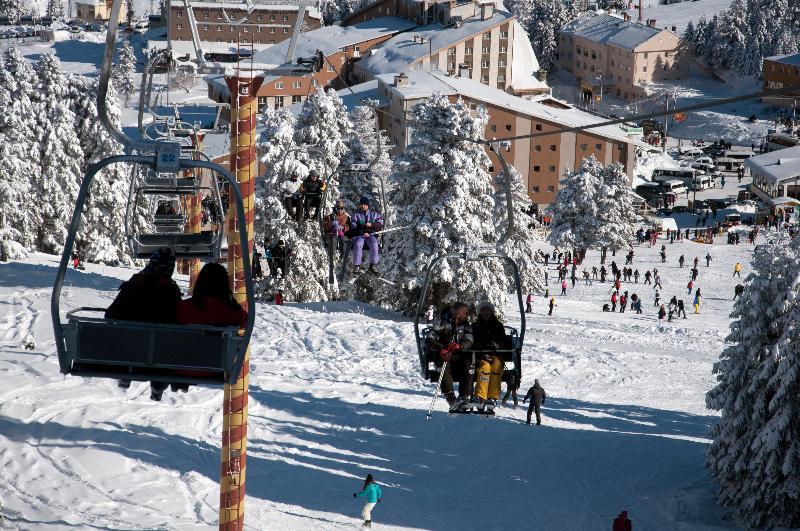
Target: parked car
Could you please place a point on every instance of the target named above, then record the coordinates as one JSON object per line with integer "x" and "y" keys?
{"x": 680, "y": 209}
{"x": 732, "y": 220}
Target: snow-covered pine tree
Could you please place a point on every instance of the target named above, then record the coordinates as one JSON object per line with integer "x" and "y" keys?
{"x": 307, "y": 279}
{"x": 728, "y": 45}
{"x": 689, "y": 34}
{"x": 125, "y": 71}
{"x": 355, "y": 179}
{"x": 55, "y": 9}
{"x": 755, "y": 455}
{"x": 440, "y": 185}
{"x": 13, "y": 9}
{"x": 574, "y": 222}
{"x": 324, "y": 124}
{"x": 542, "y": 20}
{"x": 20, "y": 150}
{"x": 616, "y": 226}
{"x": 524, "y": 237}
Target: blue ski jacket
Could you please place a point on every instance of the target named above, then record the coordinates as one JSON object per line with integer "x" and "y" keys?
{"x": 372, "y": 492}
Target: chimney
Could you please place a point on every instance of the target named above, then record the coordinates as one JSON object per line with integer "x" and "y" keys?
{"x": 416, "y": 39}
{"x": 651, "y": 23}
{"x": 641, "y": 10}
{"x": 626, "y": 17}
{"x": 487, "y": 10}
{"x": 674, "y": 28}
{"x": 541, "y": 75}
{"x": 401, "y": 80}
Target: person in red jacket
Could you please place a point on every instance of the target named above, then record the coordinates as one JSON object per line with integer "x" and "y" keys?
{"x": 279, "y": 298}
{"x": 212, "y": 301}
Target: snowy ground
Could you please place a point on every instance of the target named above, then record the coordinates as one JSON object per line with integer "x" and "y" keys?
{"x": 336, "y": 394}
{"x": 679, "y": 14}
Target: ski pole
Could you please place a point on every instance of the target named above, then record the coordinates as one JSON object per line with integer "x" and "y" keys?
{"x": 436, "y": 391}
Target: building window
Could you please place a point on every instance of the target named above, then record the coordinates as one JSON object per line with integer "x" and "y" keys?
{"x": 612, "y": 62}
{"x": 451, "y": 66}
{"x": 285, "y": 18}
{"x": 536, "y": 169}
{"x": 619, "y": 147}
{"x": 503, "y": 34}
{"x": 270, "y": 41}
{"x": 538, "y": 127}
{"x": 508, "y": 128}
{"x": 286, "y": 30}
{"x": 485, "y": 49}
{"x": 297, "y": 98}
{"x": 205, "y": 15}
{"x": 219, "y": 16}
{"x": 279, "y": 85}
{"x": 592, "y": 69}
{"x": 644, "y": 69}
{"x": 485, "y": 80}
{"x": 330, "y": 68}
{"x": 259, "y": 18}
{"x": 272, "y": 30}
{"x": 314, "y": 83}
{"x": 262, "y": 100}
{"x": 578, "y": 50}
{"x": 451, "y": 52}
{"x": 278, "y": 102}
{"x": 501, "y": 63}
{"x": 468, "y": 50}
{"x": 502, "y": 49}
{"x": 179, "y": 13}
{"x": 551, "y": 189}
{"x": 645, "y": 56}
{"x": 494, "y": 128}
{"x": 180, "y": 26}
{"x": 537, "y": 148}
{"x": 552, "y": 147}
{"x": 272, "y": 17}
{"x": 551, "y": 168}
{"x": 594, "y": 55}
{"x": 491, "y": 168}
{"x": 205, "y": 27}
{"x": 296, "y": 84}
{"x": 245, "y": 29}
{"x": 484, "y": 64}
{"x": 501, "y": 78}
{"x": 535, "y": 189}
{"x": 472, "y": 106}
{"x": 487, "y": 36}
{"x": 598, "y": 147}
{"x": 583, "y": 147}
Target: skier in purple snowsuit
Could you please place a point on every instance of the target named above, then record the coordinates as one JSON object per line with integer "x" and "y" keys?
{"x": 362, "y": 226}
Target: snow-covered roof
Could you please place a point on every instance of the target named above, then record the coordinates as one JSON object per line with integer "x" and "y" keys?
{"x": 312, "y": 11}
{"x": 776, "y": 166}
{"x": 790, "y": 59}
{"x": 396, "y": 54}
{"x": 422, "y": 84}
{"x": 331, "y": 39}
{"x": 187, "y": 47}
{"x": 608, "y": 29}
{"x": 524, "y": 63}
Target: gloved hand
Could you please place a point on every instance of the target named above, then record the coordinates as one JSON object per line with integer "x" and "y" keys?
{"x": 354, "y": 495}
{"x": 445, "y": 354}
{"x": 453, "y": 346}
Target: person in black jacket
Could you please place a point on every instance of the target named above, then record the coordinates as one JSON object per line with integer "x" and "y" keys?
{"x": 537, "y": 397}
{"x": 490, "y": 336}
{"x": 512, "y": 384}
{"x": 151, "y": 296}
{"x": 280, "y": 258}
{"x": 312, "y": 189}
{"x": 447, "y": 341}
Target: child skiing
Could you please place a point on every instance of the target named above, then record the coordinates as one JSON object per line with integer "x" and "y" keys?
{"x": 372, "y": 492}
{"x": 528, "y": 302}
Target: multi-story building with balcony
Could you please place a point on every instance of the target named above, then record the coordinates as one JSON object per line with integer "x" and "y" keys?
{"x": 620, "y": 55}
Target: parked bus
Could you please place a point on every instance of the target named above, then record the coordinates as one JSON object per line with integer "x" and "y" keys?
{"x": 670, "y": 174}
{"x": 673, "y": 186}
{"x": 731, "y": 159}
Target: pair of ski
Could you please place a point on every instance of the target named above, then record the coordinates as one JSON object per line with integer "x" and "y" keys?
{"x": 461, "y": 407}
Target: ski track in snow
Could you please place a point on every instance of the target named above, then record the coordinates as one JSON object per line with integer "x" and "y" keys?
{"x": 335, "y": 393}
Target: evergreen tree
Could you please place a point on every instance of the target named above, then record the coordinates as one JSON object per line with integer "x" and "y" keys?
{"x": 12, "y": 9}
{"x": 728, "y": 47}
{"x": 616, "y": 226}
{"x": 523, "y": 237}
{"x": 55, "y": 9}
{"x": 125, "y": 71}
{"x": 755, "y": 455}
{"x": 542, "y": 20}
{"x": 441, "y": 186}
{"x": 575, "y": 220}
{"x": 360, "y": 172}
{"x": 689, "y": 34}
{"x": 325, "y": 125}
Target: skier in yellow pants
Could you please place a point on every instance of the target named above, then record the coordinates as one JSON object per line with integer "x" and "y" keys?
{"x": 490, "y": 336}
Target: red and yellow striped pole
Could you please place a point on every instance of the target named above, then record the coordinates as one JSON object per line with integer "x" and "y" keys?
{"x": 195, "y": 217}
{"x": 244, "y": 107}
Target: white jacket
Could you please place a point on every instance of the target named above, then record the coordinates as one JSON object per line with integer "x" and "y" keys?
{"x": 290, "y": 187}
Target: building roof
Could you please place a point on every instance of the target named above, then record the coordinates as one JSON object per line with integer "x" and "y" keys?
{"x": 791, "y": 59}
{"x": 396, "y": 54}
{"x": 776, "y": 166}
{"x": 524, "y": 63}
{"x": 331, "y": 39}
{"x": 422, "y": 84}
{"x": 312, "y": 10}
{"x": 608, "y": 29}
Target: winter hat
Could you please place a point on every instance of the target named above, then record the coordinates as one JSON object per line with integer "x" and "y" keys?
{"x": 485, "y": 304}
{"x": 536, "y": 382}
{"x": 162, "y": 262}
{"x": 364, "y": 200}
{"x": 313, "y": 173}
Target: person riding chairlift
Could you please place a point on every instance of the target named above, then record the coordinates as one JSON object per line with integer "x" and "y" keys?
{"x": 490, "y": 336}
{"x": 337, "y": 224}
{"x": 292, "y": 200}
{"x": 362, "y": 224}
{"x": 312, "y": 189}
{"x": 446, "y": 342}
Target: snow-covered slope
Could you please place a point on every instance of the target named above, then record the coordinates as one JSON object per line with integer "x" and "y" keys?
{"x": 678, "y": 14}
{"x": 335, "y": 394}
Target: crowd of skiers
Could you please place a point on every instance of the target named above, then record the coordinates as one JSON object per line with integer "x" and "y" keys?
{"x": 466, "y": 347}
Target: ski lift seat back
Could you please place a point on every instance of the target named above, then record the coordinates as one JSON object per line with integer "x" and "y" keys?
{"x": 92, "y": 346}
{"x": 150, "y": 351}
{"x": 168, "y": 185}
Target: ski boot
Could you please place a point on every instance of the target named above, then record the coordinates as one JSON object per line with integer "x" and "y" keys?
{"x": 489, "y": 405}
{"x": 451, "y": 399}
{"x": 123, "y": 384}
{"x": 367, "y": 523}
{"x": 357, "y": 270}
{"x": 461, "y": 405}
{"x": 373, "y": 269}
{"x": 479, "y": 404}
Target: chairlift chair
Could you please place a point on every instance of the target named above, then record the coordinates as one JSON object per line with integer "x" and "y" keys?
{"x": 511, "y": 352}
{"x": 91, "y": 346}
